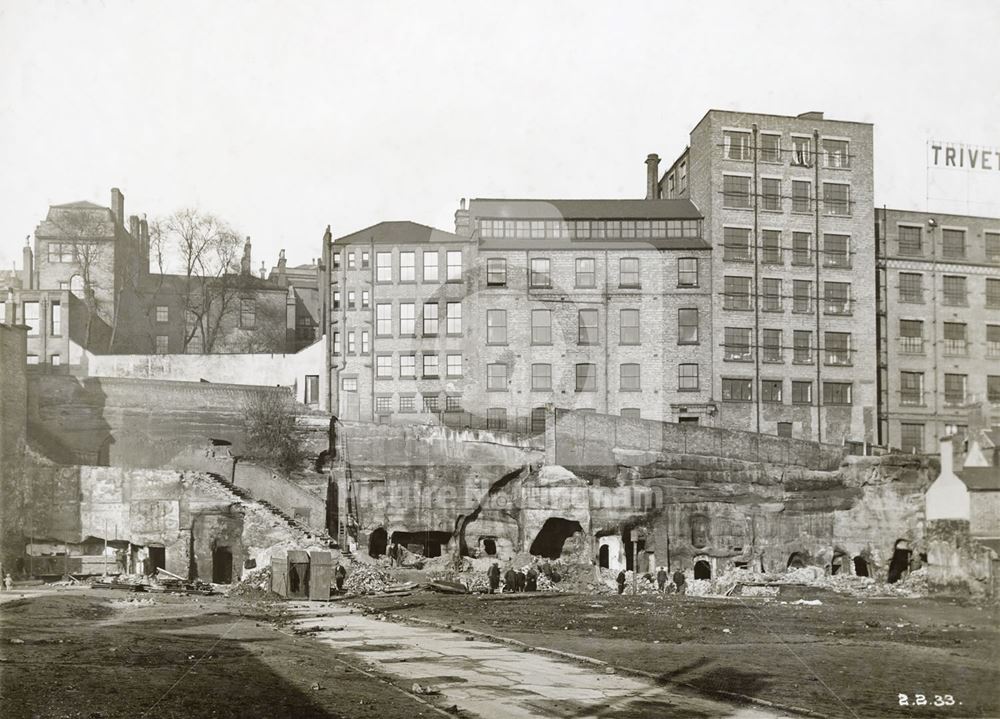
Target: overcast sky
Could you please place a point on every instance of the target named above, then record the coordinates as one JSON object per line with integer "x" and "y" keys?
{"x": 283, "y": 117}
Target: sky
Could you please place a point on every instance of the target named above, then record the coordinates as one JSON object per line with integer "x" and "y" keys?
{"x": 283, "y": 117}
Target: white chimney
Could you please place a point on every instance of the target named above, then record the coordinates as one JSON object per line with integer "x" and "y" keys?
{"x": 947, "y": 457}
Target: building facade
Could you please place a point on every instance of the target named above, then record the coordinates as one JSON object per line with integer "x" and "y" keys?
{"x": 789, "y": 213}
{"x": 939, "y": 323}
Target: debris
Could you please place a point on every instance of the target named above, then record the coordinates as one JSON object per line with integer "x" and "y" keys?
{"x": 810, "y": 602}
{"x": 446, "y": 587}
{"x": 367, "y": 579}
{"x": 315, "y": 686}
{"x": 17, "y": 641}
{"x": 425, "y": 690}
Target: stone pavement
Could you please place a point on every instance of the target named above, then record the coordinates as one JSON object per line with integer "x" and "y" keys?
{"x": 489, "y": 679}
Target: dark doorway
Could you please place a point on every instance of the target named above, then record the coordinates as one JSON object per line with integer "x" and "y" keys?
{"x": 157, "y": 558}
{"x": 838, "y": 564}
{"x": 785, "y": 429}
{"x": 604, "y": 557}
{"x": 900, "y": 562}
{"x": 796, "y": 561}
{"x": 490, "y": 547}
{"x": 860, "y": 567}
{"x": 332, "y": 509}
{"x": 377, "y": 542}
{"x": 702, "y": 570}
{"x": 222, "y": 565}
{"x": 687, "y": 420}
{"x": 552, "y": 536}
{"x": 428, "y": 544}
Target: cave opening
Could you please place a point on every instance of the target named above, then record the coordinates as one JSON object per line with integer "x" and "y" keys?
{"x": 377, "y": 542}
{"x": 796, "y": 561}
{"x": 552, "y": 536}
{"x": 702, "y": 570}
{"x": 157, "y": 558}
{"x": 604, "y": 557}
{"x": 490, "y": 547}
{"x": 838, "y": 563}
{"x": 428, "y": 544}
{"x": 860, "y": 566}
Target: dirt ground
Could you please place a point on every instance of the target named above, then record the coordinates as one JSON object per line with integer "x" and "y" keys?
{"x": 846, "y": 657}
{"x": 100, "y": 654}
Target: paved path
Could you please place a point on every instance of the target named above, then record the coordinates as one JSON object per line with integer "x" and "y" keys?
{"x": 489, "y": 679}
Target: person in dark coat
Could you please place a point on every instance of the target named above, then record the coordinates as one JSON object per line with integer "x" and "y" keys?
{"x": 510, "y": 580}
{"x": 661, "y": 579}
{"x": 531, "y": 580}
{"x": 621, "y": 582}
{"x": 519, "y": 581}
{"x": 679, "y": 581}
{"x": 339, "y": 575}
{"x": 493, "y": 574}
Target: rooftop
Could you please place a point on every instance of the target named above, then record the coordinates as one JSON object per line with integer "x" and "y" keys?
{"x": 399, "y": 232}
{"x": 527, "y": 209}
{"x": 981, "y": 479}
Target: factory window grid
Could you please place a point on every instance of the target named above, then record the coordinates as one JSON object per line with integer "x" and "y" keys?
{"x": 993, "y": 388}
{"x": 430, "y": 319}
{"x": 407, "y": 403}
{"x": 453, "y": 365}
{"x": 629, "y": 376}
{"x": 911, "y": 287}
{"x": 383, "y": 405}
{"x": 771, "y": 390}
{"x": 837, "y": 298}
{"x": 801, "y": 196}
{"x": 801, "y": 392}
{"x": 770, "y": 147}
{"x": 430, "y": 269}
{"x": 771, "y": 295}
{"x": 910, "y": 240}
{"x": 737, "y": 344}
{"x": 911, "y": 336}
{"x": 802, "y": 347}
{"x": 954, "y": 291}
{"x": 771, "y": 247}
{"x": 736, "y": 145}
{"x": 911, "y": 437}
{"x": 802, "y": 296}
{"x": 383, "y": 366}
{"x": 541, "y": 377}
{"x": 802, "y": 249}
{"x": 540, "y": 276}
{"x": 836, "y": 153}
{"x": 383, "y": 267}
{"x": 993, "y": 340}
{"x": 432, "y": 403}
{"x": 992, "y": 242}
{"x": 430, "y": 367}
{"x": 628, "y": 327}
{"x": 687, "y": 377}
{"x": 687, "y": 326}
{"x": 407, "y": 319}
{"x": 586, "y": 276}
{"x": 736, "y": 291}
{"x": 801, "y": 151}
{"x": 453, "y": 403}
{"x": 955, "y": 339}
{"x": 837, "y": 346}
{"x": 837, "y": 393}
{"x": 407, "y": 366}
{"x": 349, "y": 384}
{"x": 836, "y": 250}
{"x": 837, "y": 198}
{"x": 454, "y": 311}
{"x": 771, "y": 350}
{"x": 770, "y": 194}
{"x": 911, "y": 388}
{"x": 383, "y": 320}
{"x": 737, "y": 389}
{"x": 952, "y": 243}
{"x": 588, "y": 327}
{"x": 628, "y": 272}
{"x": 408, "y": 266}
{"x": 162, "y": 313}
{"x": 687, "y": 272}
{"x": 736, "y": 192}
{"x": 992, "y": 293}
{"x": 496, "y": 327}
{"x": 586, "y": 377}
{"x": 496, "y": 377}
{"x": 955, "y": 389}
{"x": 454, "y": 258}
{"x": 736, "y": 244}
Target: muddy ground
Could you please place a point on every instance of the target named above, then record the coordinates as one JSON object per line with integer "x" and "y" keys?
{"x": 847, "y": 657}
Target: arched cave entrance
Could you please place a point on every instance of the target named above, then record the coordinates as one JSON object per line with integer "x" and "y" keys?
{"x": 377, "y": 542}
{"x": 839, "y": 563}
{"x": 860, "y": 566}
{"x": 428, "y": 544}
{"x": 900, "y": 562}
{"x": 222, "y": 565}
{"x": 603, "y": 557}
{"x": 702, "y": 570}
{"x": 552, "y": 536}
{"x": 490, "y": 546}
{"x": 796, "y": 560}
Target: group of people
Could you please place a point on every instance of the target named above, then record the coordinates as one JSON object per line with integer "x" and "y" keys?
{"x": 514, "y": 580}
{"x": 679, "y": 583}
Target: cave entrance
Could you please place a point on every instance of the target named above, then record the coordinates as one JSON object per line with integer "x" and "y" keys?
{"x": 222, "y": 565}
{"x": 838, "y": 563}
{"x": 552, "y": 536}
{"x": 900, "y": 562}
{"x": 490, "y": 547}
{"x": 157, "y": 558}
{"x": 702, "y": 570}
{"x": 377, "y": 542}
{"x": 860, "y": 567}
{"x": 604, "y": 557}
{"x": 796, "y": 561}
{"x": 428, "y": 544}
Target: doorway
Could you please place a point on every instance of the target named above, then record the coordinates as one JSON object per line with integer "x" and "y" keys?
{"x": 604, "y": 557}
{"x": 157, "y": 558}
{"x": 222, "y": 565}
{"x": 702, "y": 570}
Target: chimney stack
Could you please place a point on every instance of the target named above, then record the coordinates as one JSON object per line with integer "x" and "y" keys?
{"x": 118, "y": 205}
{"x": 263, "y": 271}
{"x": 27, "y": 265}
{"x": 282, "y": 263}
{"x": 652, "y": 176}
{"x": 947, "y": 461}
{"x": 245, "y": 262}
{"x": 133, "y": 227}
{"x": 462, "y": 226}
{"x": 143, "y": 246}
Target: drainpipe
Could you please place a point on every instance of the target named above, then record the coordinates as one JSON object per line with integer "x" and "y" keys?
{"x": 607, "y": 301}
{"x": 756, "y": 286}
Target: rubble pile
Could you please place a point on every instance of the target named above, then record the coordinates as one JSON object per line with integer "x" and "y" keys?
{"x": 255, "y": 584}
{"x": 547, "y": 585}
{"x": 747, "y": 583}
{"x": 367, "y": 579}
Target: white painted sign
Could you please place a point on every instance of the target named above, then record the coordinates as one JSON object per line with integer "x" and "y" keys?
{"x": 963, "y": 157}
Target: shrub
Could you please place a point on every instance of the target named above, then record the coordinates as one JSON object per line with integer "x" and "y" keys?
{"x": 269, "y": 423}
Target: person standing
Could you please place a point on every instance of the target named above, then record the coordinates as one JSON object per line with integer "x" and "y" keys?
{"x": 621, "y": 582}
{"x": 8, "y": 582}
{"x": 519, "y": 580}
{"x": 679, "y": 582}
{"x": 339, "y": 575}
{"x": 493, "y": 574}
{"x": 531, "y": 580}
{"x": 510, "y": 580}
{"x": 661, "y": 579}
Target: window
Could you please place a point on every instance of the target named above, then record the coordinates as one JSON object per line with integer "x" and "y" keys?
{"x": 350, "y": 299}
{"x": 736, "y": 347}
{"x": 496, "y": 327}
{"x": 430, "y": 265}
{"x": 248, "y": 314}
{"x": 837, "y": 298}
{"x": 911, "y": 287}
{"x": 993, "y": 388}
{"x": 911, "y": 437}
{"x": 628, "y": 272}
{"x": 55, "y": 360}
{"x": 350, "y": 261}
{"x": 628, "y": 328}
{"x": 954, "y": 290}
{"x": 365, "y": 260}
{"x": 383, "y": 366}
{"x": 992, "y": 246}
{"x": 992, "y": 293}
{"x": 453, "y": 365}
{"x": 496, "y": 272}
{"x": 801, "y": 252}
{"x": 770, "y": 148}
{"x": 431, "y": 403}
{"x": 407, "y": 319}
{"x": 687, "y": 326}
{"x": 911, "y": 336}
{"x": 537, "y": 229}
{"x": 802, "y": 296}
{"x": 541, "y": 272}
{"x": 687, "y": 377}
{"x": 954, "y": 389}
{"x": 993, "y": 340}
{"x": 351, "y": 345}
{"x": 383, "y": 320}
{"x": 836, "y": 198}
{"x": 836, "y": 251}
{"x": 60, "y": 252}
{"x": 496, "y": 419}
{"x": 585, "y": 273}
{"x": 454, "y": 265}
{"x": 629, "y": 376}
{"x": 736, "y": 144}
{"x": 771, "y": 295}
{"x": 910, "y": 240}
{"x": 366, "y": 298}
{"x": 802, "y": 392}
{"x": 770, "y": 194}
{"x": 785, "y": 429}
{"x": 687, "y": 272}
{"x": 383, "y": 267}
{"x": 407, "y": 404}
{"x": 383, "y": 405}
{"x": 955, "y": 341}
{"x": 430, "y": 318}
{"x": 838, "y": 348}
{"x": 953, "y": 244}
{"x": 911, "y": 388}
{"x": 587, "y": 327}
{"x": 771, "y": 346}
{"x": 162, "y": 313}
{"x": 454, "y": 318}
{"x": 408, "y": 366}
{"x": 801, "y": 151}
{"x": 801, "y": 196}
{"x": 802, "y": 347}
{"x": 737, "y": 390}
{"x": 835, "y": 153}
{"x": 365, "y": 342}
{"x": 836, "y": 393}
{"x": 336, "y": 299}
{"x": 736, "y": 244}
{"x": 771, "y": 247}
{"x": 336, "y": 260}
{"x": 407, "y": 267}
{"x": 735, "y": 191}
{"x": 770, "y": 390}
{"x": 586, "y": 377}
{"x": 541, "y": 377}
{"x": 737, "y": 293}
{"x": 55, "y": 319}
{"x": 430, "y": 366}
{"x": 453, "y": 403}
{"x": 31, "y": 318}
{"x": 32, "y": 359}
{"x": 162, "y": 344}
{"x": 541, "y": 327}
{"x": 336, "y": 343}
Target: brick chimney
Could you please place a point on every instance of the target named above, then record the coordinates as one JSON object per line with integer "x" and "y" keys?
{"x": 118, "y": 205}
{"x": 28, "y": 265}
{"x": 143, "y": 246}
{"x": 245, "y": 262}
{"x": 652, "y": 176}
{"x": 947, "y": 456}
{"x": 462, "y": 226}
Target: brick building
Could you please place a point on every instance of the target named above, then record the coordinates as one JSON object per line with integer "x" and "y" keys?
{"x": 789, "y": 213}
{"x": 939, "y": 323}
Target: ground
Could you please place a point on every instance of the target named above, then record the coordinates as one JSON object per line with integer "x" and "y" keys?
{"x": 104, "y": 654}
